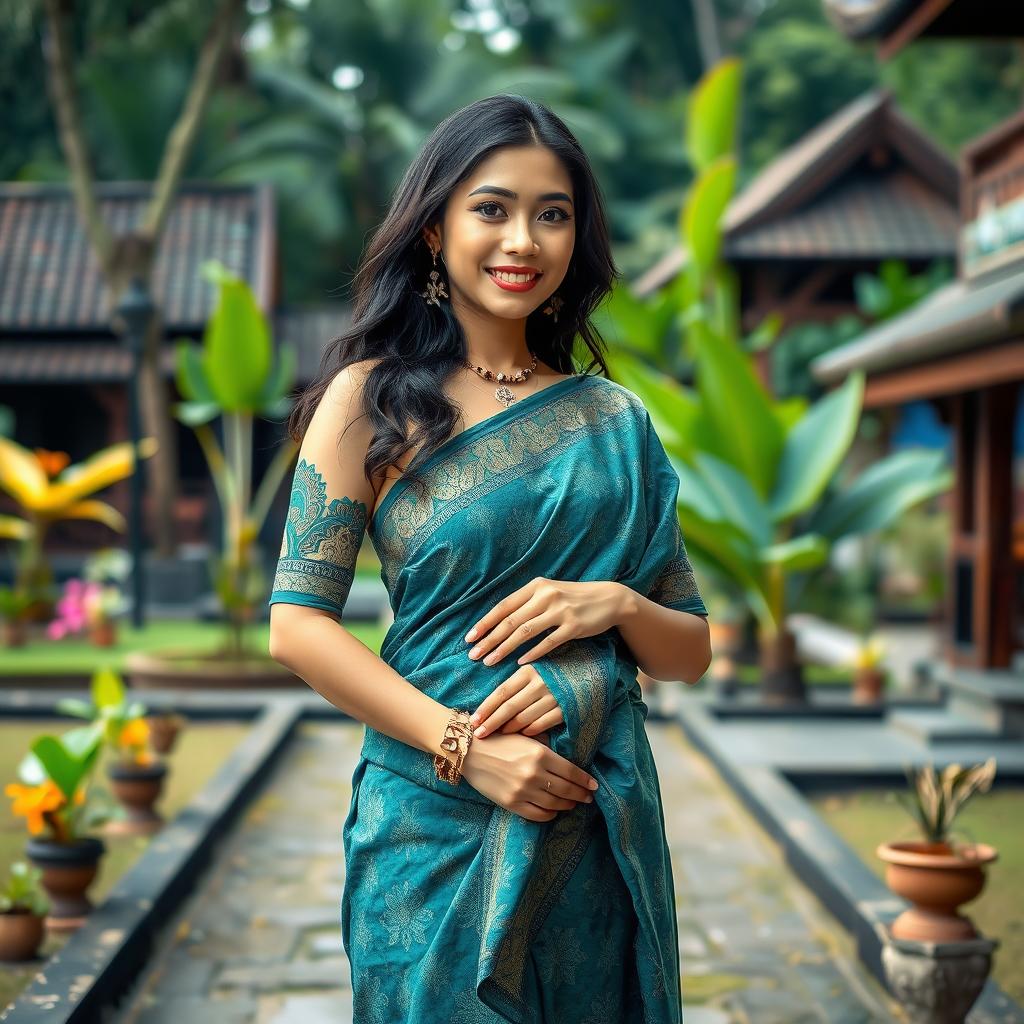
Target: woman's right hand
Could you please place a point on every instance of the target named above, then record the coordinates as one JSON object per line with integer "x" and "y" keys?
{"x": 513, "y": 770}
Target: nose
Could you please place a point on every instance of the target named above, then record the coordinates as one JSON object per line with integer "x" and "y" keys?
{"x": 518, "y": 239}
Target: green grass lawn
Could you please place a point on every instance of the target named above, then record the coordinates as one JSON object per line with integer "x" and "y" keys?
{"x": 42, "y": 656}
{"x": 868, "y": 817}
{"x": 201, "y": 749}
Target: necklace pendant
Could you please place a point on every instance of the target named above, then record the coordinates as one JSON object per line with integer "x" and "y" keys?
{"x": 505, "y": 395}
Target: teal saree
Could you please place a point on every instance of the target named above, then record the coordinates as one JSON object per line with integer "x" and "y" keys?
{"x": 455, "y": 909}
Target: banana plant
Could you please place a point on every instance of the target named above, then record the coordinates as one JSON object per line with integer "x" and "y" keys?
{"x": 233, "y": 376}
{"x": 47, "y": 489}
{"x": 760, "y": 503}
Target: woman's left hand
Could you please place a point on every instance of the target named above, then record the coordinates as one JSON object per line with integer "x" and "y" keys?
{"x": 522, "y": 703}
{"x": 575, "y": 609}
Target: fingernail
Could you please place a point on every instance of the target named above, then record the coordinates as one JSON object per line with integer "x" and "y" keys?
{"x": 475, "y": 652}
{"x": 471, "y": 636}
{"x": 593, "y": 784}
{"x": 474, "y": 719}
{"x": 480, "y": 731}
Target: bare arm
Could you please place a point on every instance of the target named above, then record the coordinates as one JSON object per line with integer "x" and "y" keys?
{"x": 667, "y": 643}
{"x": 330, "y": 505}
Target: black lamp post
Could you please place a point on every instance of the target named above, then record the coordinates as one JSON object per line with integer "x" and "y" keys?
{"x": 133, "y": 315}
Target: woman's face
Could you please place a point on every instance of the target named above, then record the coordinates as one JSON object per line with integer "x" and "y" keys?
{"x": 515, "y": 210}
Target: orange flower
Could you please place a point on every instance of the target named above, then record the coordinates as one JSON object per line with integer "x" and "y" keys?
{"x": 33, "y": 802}
{"x": 53, "y": 463}
{"x": 134, "y": 734}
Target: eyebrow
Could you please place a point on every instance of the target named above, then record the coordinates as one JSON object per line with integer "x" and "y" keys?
{"x": 498, "y": 191}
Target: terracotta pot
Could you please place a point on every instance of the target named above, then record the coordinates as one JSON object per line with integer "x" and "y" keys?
{"x": 103, "y": 634}
{"x": 936, "y": 880}
{"x": 68, "y": 871}
{"x": 13, "y": 634}
{"x": 21, "y": 932}
{"x": 137, "y": 787}
{"x": 868, "y": 684}
{"x": 163, "y": 732}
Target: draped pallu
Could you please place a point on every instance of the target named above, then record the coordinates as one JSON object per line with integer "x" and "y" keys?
{"x": 569, "y": 483}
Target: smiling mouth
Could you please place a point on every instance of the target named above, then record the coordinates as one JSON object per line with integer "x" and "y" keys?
{"x": 510, "y": 278}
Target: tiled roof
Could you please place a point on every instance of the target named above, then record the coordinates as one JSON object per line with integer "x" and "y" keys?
{"x": 310, "y": 329}
{"x": 45, "y": 361}
{"x": 961, "y": 315}
{"x": 829, "y": 196}
{"x": 50, "y": 280}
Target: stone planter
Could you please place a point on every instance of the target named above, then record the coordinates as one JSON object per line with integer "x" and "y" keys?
{"x": 936, "y": 880}
{"x": 191, "y": 670}
{"x": 21, "y": 933}
{"x": 137, "y": 787}
{"x": 868, "y": 685}
{"x": 68, "y": 871}
{"x": 936, "y": 983}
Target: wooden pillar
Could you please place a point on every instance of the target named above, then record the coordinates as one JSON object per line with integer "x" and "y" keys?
{"x": 980, "y": 593}
{"x": 993, "y": 499}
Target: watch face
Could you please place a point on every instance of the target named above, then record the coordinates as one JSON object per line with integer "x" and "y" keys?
{"x": 861, "y": 18}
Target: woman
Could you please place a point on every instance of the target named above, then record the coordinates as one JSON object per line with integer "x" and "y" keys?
{"x": 518, "y": 872}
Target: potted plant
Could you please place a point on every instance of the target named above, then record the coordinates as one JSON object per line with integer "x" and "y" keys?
{"x": 868, "y": 670}
{"x": 234, "y": 377}
{"x": 106, "y": 571}
{"x": 60, "y": 808}
{"x": 23, "y": 907}
{"x": 14, "y": 604}
{"x": 934, "y": 874}
{"x": 136, "y": 775}
{"x": 87, "y": 606}
{"x": 46, "y": 489}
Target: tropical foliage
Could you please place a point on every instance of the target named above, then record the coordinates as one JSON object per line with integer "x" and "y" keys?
{"x": 937, "y": 797}
{"x": 761, "y": 501}
{"x": 235, "y": 377}
{"x": 120, "y": 724}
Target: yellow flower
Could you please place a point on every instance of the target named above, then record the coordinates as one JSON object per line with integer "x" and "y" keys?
{"x": 134, "y": 734}
{"x": 32, "y": 802}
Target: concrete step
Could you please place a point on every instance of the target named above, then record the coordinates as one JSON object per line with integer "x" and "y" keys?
{"x": 940, "y": 725}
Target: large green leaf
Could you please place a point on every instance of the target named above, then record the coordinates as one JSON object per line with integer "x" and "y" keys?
{"x": 107, "y": 689}
{"x": 236, "y": 347}
{"x": 815, "y": 447}
{"x": 632, "y": 323}
{"x": 882, "y": 493}
{"x": 748, "y": 433}
{"x": 807, "y": 551}
{"x": 736, "y": 498}
{"x": 712, "y": 114}
{"x": 281, "y": 379}
{"x": 62, "y": 767}
{"x": 703, "y": 212}
{"x": 189, "y": 373}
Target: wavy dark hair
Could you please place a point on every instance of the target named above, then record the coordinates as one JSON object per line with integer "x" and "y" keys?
{"x": 418, "y": 346}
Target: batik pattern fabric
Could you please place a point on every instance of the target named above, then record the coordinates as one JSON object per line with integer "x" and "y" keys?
{"x": 321, "y": 540}
{"x": 453, "y": 908}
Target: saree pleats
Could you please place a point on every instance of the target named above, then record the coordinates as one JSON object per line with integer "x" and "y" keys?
{"x": 455, "y": 909}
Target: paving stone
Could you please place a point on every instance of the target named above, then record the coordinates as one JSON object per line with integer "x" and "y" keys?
{"x": 174, "y": 1009}
{"x": 324, "y": 973}
{"x": 706, "y": 1015}
{"x": 315, "y": 1009}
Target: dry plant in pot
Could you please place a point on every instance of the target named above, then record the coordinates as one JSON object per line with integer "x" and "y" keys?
{"x": 935, "y": 874}
{"x": 136, "y": 775}
{"x": 23, "y": 907}
{"x": 61, "y": 809}
{"x": 164, "y": 729}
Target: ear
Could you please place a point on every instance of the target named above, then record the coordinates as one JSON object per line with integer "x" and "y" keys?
{"x": 432, "y": 237}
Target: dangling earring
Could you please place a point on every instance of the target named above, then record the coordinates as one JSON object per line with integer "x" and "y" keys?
{"x": 435, "y": 286}
{"x": 553, "y": 307}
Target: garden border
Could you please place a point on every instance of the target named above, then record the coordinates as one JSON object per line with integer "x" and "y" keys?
{"x": 823, "y": 861}
{"x": 100, "y": 962}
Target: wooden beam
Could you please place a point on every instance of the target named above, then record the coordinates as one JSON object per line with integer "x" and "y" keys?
{"x": 911, "y": 27}
{"x": 964, "y": 371}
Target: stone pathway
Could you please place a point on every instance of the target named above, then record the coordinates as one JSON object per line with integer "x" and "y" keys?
{"x": 260, "y": 942}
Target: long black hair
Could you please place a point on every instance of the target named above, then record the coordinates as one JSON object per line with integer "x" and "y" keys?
{"x": 418, "y": 346}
